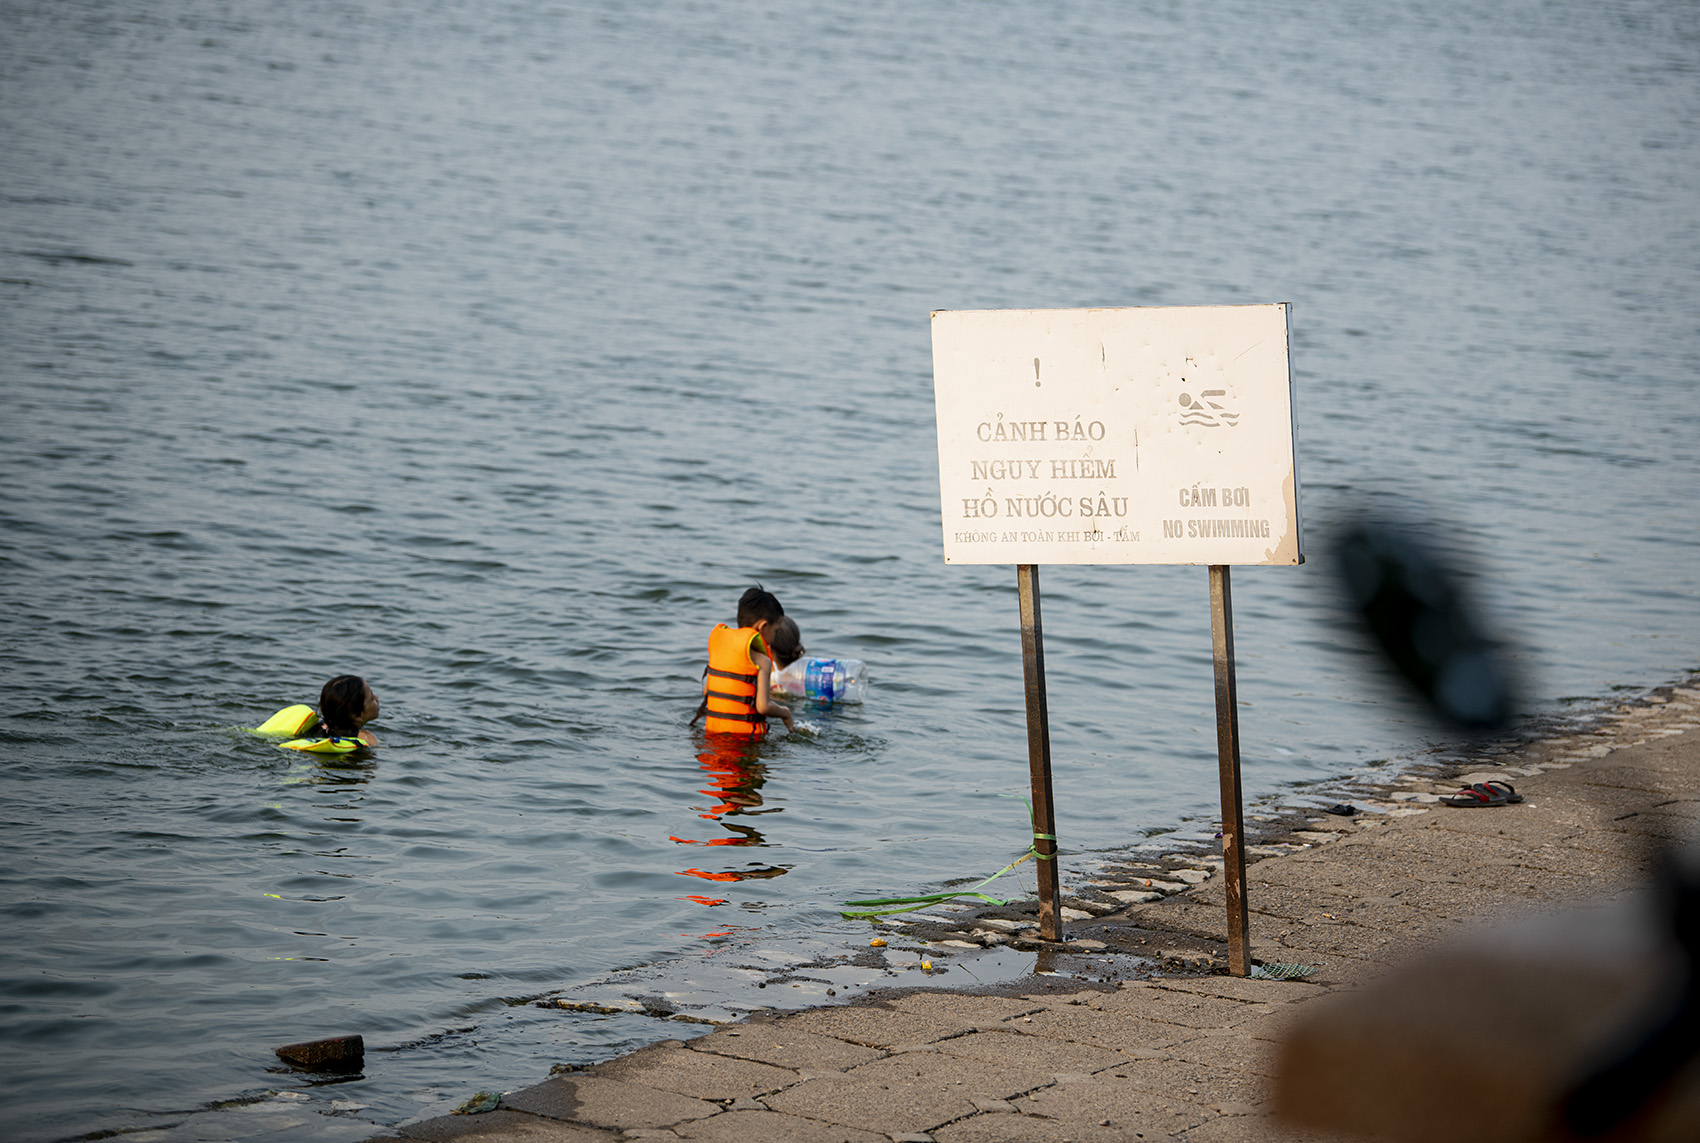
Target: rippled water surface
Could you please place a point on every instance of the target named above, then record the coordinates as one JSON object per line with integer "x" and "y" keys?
{"x": 490, "y": 351}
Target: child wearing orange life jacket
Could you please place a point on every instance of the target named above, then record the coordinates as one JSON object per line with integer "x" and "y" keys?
{"x": 736, "y": 687}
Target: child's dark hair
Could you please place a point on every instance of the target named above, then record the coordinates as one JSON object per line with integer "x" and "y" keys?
{"x": 784, "y": 640}
{"x": 756, "y": 605}
{"x": 340, "y": 705}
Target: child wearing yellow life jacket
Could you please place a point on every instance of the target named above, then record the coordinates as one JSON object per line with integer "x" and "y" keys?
{"x": 736, "y": 688}
{"x": 346, "y": 704}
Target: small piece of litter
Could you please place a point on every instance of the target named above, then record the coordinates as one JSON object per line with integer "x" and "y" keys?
{"x": 479, "y": 1103}
{"x": 1282, "y": 971}
{"x": 1166, "y": 886}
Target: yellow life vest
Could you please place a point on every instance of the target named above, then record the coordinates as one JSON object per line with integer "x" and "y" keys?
{"x": 294, "y": 720}
{"x": 289, "y": 721}
{"x": 324, "y": 745}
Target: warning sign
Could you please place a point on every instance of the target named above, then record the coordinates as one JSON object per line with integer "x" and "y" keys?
{"x": 1151, "y": 435}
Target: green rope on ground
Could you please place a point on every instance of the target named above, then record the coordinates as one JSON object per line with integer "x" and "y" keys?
{"x": 907, "y": 904}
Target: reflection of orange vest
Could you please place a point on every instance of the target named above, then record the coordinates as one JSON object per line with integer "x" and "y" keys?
{"x": 732, "y": 678}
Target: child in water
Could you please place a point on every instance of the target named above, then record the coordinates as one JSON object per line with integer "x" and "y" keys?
{"x": 346, "y": 705}
{"x": 737, "y": 685}
{"x": 784, "y": 642}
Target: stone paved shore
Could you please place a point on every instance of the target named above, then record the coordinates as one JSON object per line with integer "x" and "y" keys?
{"x": 1168, "y": 1058}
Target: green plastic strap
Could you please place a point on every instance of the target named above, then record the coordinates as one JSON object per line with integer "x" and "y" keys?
{"x": 932, "y": 898}
{"x": 906, "y": 904}
{"x": 1037, "y": 836}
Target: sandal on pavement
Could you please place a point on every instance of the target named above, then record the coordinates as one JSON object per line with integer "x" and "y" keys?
{"x": 1505, "y": 789}
{"x": 1475, "y": 797}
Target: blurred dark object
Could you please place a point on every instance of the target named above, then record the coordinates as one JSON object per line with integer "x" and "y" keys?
{"x": 1580, "y": 1026}
{"x": 1632, "y": 1076}
{"x": 1417, "y": 609}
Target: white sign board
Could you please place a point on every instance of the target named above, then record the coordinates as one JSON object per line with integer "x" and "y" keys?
{"x": 1152, "y": 435}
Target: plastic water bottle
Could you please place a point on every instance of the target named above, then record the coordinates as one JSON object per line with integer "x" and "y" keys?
{"x": 824, "y": 680}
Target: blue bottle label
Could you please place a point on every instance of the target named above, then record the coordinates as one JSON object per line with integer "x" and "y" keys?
{"x": 822, "y": 679}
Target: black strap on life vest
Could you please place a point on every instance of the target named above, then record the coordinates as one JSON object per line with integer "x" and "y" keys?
{"x": 735, "y": 716}
{"x": 748, "y": 700}
{"x": 741, "y": 716}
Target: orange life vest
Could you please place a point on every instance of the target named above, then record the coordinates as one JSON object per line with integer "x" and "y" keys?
{"x": 732, "y": 675}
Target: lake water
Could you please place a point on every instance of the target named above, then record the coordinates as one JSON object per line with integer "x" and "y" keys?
{"x": 490, "y": 351}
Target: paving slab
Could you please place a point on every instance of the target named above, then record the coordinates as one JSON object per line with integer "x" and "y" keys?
{"x": 970, "y": 1009}
{"x": 954, "y": 1075}
{"x": 1518, "y": 825}
{"x": 1128, "y": 1035}
{"x": 879, "y": 1026}
{"x": 772, "y": 1127}
{"x": 867, "y": 1104}
{"x": 784, "y": 1044}
{"x": 1312, "y": 906}
{"x": 502, "y": 1124}
{"x": 1335, "y": 876}
{"x": 1244, "y": 988}
{"x": 1024, "y": 1050}
{"x": 600, "y": 1102}
{"x": 1171, "y": 1081}
{"x": 702, "y": 1075}
{"x": 1175, "y": 1006}
{"x": 1037, "y": 1129}
{"x": 1259, "y": 1128}
{"x": 1139, "y": 1102}
{"x": 1227, "y": 1048}
{"x": 1601, "y": 779}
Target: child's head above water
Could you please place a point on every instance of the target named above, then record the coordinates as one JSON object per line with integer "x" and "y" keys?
{"x": 784, "y": 640}
{"x": 346, "y": 704}
{"x": 756, "y": 606}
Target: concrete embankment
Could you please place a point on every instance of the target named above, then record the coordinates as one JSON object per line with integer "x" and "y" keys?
{"x": 1188, "y": 1057}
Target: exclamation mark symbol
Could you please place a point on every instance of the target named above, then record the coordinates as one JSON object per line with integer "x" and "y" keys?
{"x": 1035, "y": 373}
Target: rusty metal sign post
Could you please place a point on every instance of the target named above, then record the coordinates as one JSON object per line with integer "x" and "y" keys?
{"x": 1039, "y": 752}
{"x": 1072, "y": 437}
{"x": 1228, "y": 765}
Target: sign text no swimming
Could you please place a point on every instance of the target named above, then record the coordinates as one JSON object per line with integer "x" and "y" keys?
{"x": 1151, "y": 435}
